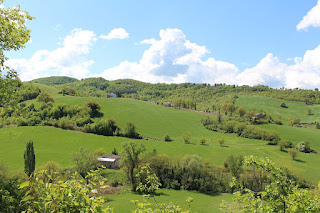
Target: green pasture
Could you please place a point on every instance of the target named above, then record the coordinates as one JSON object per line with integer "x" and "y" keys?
{"x": 272, "y": 106}
{"x": 153, "y": 121}
{"x": 201, "y": 202}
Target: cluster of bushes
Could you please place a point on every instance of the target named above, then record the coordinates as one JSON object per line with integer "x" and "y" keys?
{"x": 189, "y": 173}
{"x": 26, "y": 92}
{"x": 71, "y": 117}
{"x": 241, "y": 129}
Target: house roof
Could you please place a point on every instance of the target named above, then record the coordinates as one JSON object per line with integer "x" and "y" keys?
{"x": 111, "y": 156}
{"x": 106, "y": 160}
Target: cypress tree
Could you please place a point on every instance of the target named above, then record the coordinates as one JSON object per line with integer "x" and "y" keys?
{"x": 29, "y": 159}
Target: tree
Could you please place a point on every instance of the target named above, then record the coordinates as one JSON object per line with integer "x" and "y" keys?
{"x": 84, "y": 161}
{"x": 282, "y": 144}
{"x": 13, "y": 35}
{"x": 167, "y": 138}
{"x": 94, "y": 107}
{"x": 202, "y": 141}
{"x": 281, "y": 194}
{"x": 148, "y": 181}
{"x": 45, "y": 97}
{"x": 130, "y": 156}
{"x": 293, "y": 153}
{"x": 240, "y": 111}
{"x": 235, "y": 163}
{"x": 29, "y": 159}
{"x": 130, "y": 131}
{"x": 115, "y": 152}
{"x": 186, "y": 137}
{"x": 283, "y": 105}
{"x": 221, "y": 141}
{"x": 309, "y": 112}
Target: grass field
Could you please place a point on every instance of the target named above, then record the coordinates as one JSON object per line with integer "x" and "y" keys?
{"x": 155, "y": 121}
{"x": 272, "y": 106}
{"x": 201, "y": 202}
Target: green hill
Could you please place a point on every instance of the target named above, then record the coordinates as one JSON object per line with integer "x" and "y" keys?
{"x": 54, "y": 80}
{"x": 153, "y": 121}
{"x": 272, "y": 106}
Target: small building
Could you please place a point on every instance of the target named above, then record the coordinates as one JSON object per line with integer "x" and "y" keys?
{"x": 153, "y": 102}
{"x": 112, "y": 95}
{"x": 167, "y": 104}
{"x": 110, "y": 161}
{"x": 259, "y": 116}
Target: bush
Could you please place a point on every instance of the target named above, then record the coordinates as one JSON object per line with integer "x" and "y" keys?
{"x": 221, "y": 141}
{"x": 282, "y": 144}
{"x": 94, "y": 107}
{"x": 167, "y": 138}
{"x": 304, "y": 146}
{"x": 186, "y": 137}
{"x": 293, "y": 153}
{"x": 283, "y": 105}
{"x": 130, "y": 131}
{"x": 104, "y": 127}
{"x": 202, "y": 141}
{"x": 294, "y": 121}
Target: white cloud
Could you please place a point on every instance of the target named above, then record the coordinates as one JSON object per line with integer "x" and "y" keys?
{"x": 304, "y": 73}
{"x": 117, "y": 33}
{"x": 173, "y": 59}
{"x": 311, "y": 19}
{"x": 66, "y": 60}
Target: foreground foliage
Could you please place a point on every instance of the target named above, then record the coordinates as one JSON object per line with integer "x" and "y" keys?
{"x": 74, "y": 195}
{"x": 281, "y": 195}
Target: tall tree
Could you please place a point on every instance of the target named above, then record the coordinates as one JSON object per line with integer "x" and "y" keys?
{"x": 29, "y": 159}
{"x": 13, "y": 35}
{"x": 130, "y": 156}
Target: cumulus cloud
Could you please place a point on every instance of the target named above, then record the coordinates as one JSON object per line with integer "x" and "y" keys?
{"x": 69, "y": 59}
{"x": 173, "y": 59}
{"x": 311, "y": 19}
{"x": 117, "y": 33}
{"x": 304, "y": 73}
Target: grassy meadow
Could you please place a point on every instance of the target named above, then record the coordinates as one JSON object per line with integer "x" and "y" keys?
{"x": 154, "y": 121}
{"x": 272, "y": 106}
{"x": 201, "y": 202}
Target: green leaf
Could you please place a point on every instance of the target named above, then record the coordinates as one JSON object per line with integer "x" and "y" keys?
{"x": 24, "y": 184}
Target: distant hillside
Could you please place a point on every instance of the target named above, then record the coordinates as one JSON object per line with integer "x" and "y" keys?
{"x": 199, "y": 96}
{"x": 54, "y": 80}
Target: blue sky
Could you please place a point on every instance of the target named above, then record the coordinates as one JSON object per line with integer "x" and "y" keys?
{"x": 251, "y": 42}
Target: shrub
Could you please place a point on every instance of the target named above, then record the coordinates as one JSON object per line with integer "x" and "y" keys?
{"x": 317, "y": 125}
{"x": 293, "y": 153}
{"x": 130, "y": 131}
{"x": 44, "y": 97}
{"x": 282, "y": 144}
{"x": 186, "y": 137}
{"x": 202, "y": 141}
{"x": 221, "y": 141}
{"x": 304, "y": 146}
{"x": 235, "y": 163}
{"x": 294, "y": 121}
{"x": 283, "y": 105}
{"x": 94, "y": 107}
{"x": 167, "y": 138}
{"x": 115, "y": 152}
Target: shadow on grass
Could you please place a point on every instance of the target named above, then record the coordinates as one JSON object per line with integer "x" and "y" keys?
{"x": 300, "y": 161}
{"x": 284, "y": 151}
{"x": 156, "y": 194}
{"x": 224, "y": 146}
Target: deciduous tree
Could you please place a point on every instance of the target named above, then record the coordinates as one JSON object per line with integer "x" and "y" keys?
{"x": 13, "y": 35}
